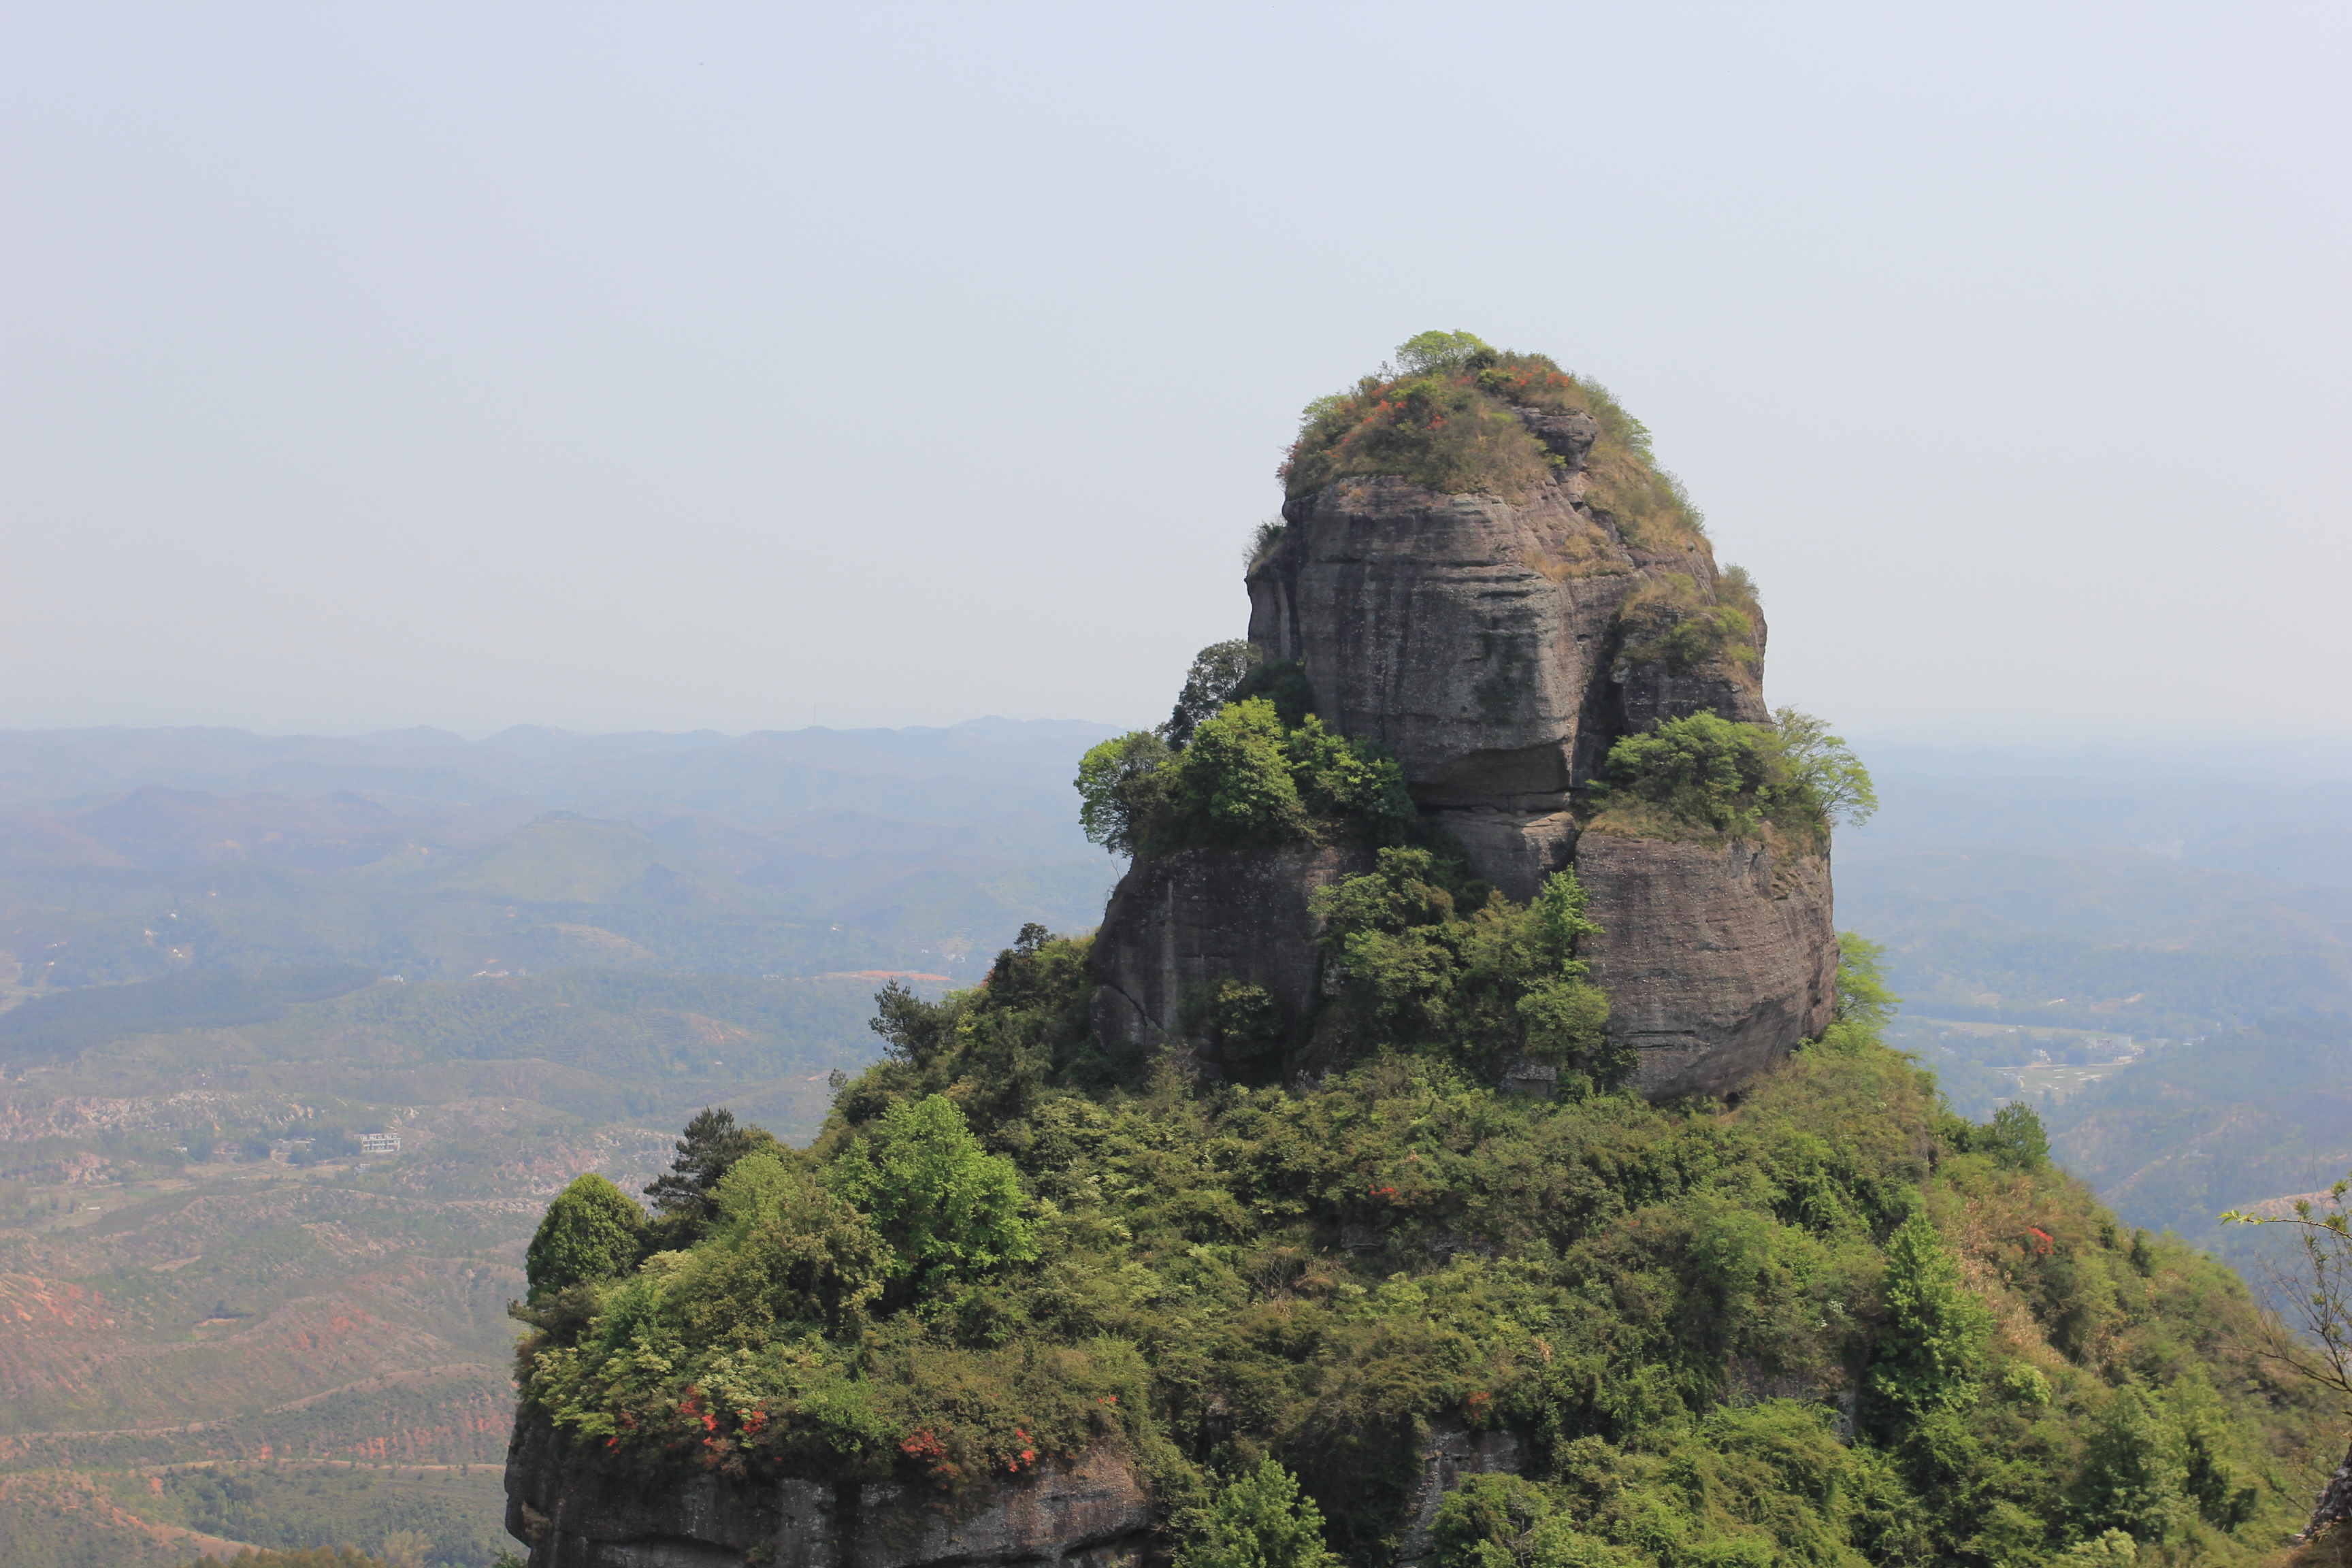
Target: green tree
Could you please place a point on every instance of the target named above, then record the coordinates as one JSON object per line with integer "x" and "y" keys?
{"x": 1120, "y": 785}
{"x": 1927, "y": 1355}
{"x": 1234, "y": 782}
{"x": 1501, "y": 981}
{"x": 1260, "y": 1520}
{"x": 1704, "y": 769}
{"x": 781, "y": 1254}
{"x": 1824, "y": 768}
{"x": 949, "y": 1209}
{"x": 2133, "y": 1474}
{"x": 592, "y": 1231}
{"x": 1217, "y": 671}
{"x": 2015, "y": 1137}
{"x": 1863, "y": 997}
{"x": 710, "y": 1147}
{"x": 1445, "y": 354}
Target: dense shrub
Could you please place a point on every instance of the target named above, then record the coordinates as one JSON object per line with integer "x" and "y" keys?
{"x": 951, "y": 1210}
{"x": 1260, "y": 1520}
{"x": 1209, "y": 685}
{"x": 1480, "y": 985}
{"x": 592, "y": 1231}
{"x": 1729, "y": 780}
{"x": 1244, "y": 777}
{"x": 1670, "y": 621}
{"x": 682, "y": 1196}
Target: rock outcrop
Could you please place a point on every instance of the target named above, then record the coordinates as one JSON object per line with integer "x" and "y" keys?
{"x": 1182, "y": 921}
{"x": 1090, "y": 1512}
{"x": 1495, "y": 648}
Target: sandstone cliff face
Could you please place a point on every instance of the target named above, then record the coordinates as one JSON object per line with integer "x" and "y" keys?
{"x": 1091, "y": 1513}
{"x": 1184, "y": 920}
{"x": 1716, "y": 961}
{"x": 1483, "y": 642}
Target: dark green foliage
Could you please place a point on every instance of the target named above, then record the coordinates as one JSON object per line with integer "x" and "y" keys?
{"x": 2015, "y": 1138}
{"x": 951, "y": 1210}
{"x": 592, "y": 1231}
{"x": 1927, "y": 1354}
{"x": 1244, "y": 777}
{"x": 1217, "y": 670}
{"x": 1284, "y": 684}
{"x": 682, "y": 1195}
{"x": 1121, "y": 783}
{"x": 1233, "y": 784}
{"x": 1240, "y": 1023}
{"x": 2132, "y": 1478}
{"x": 1704, "y": 771}
{"x": 1259, "y": 1520}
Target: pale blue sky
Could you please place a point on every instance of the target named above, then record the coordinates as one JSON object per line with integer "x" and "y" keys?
{"x": 732, "y": 367}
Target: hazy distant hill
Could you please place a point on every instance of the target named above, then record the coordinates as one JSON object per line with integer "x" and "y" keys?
{"x": 2156, "y": 895}
{"x": 126, "y": 855}
{"x": 198, "y": 1263}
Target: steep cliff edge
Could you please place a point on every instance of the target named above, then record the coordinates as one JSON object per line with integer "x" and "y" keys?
{"x": 1090, "y": 1512}
{"x": 1499, "y": 644}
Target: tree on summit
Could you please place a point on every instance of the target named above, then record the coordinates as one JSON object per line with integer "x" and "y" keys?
{"x": 1445, "y": 353}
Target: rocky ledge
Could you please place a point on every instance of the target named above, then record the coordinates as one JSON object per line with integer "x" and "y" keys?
{"x": 1088, "y": 1512}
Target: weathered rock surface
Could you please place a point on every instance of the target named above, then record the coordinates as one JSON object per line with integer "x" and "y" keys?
{"x": 1186, "y": 919}
{"x": 1716, "y": 959}
{"x": 1481, "y": 642}
{"x": 1450, "y": 1454}
{"x": 1091, "y": 1513}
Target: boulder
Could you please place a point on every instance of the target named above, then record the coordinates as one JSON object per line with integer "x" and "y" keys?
{"x": 1716, "y": 958}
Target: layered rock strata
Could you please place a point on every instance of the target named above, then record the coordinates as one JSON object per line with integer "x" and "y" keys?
{"x": 1485, "y": 643}
{"x": 1090, "y": 1512}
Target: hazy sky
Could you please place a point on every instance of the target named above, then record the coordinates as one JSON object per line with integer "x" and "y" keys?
{"x": 671, "y": 366}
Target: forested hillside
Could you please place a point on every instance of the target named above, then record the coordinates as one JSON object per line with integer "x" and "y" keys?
{"x": 1823, "y": 1321}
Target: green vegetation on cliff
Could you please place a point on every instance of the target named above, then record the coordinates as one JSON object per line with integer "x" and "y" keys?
{"x": 1243, "y": 762}
{"x": 1708, "y": 775}
{"x": 1446, "y": 419}
{"x": 1828, "y": 1322}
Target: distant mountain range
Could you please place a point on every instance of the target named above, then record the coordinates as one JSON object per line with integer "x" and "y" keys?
{"x": 126, "y": 855}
